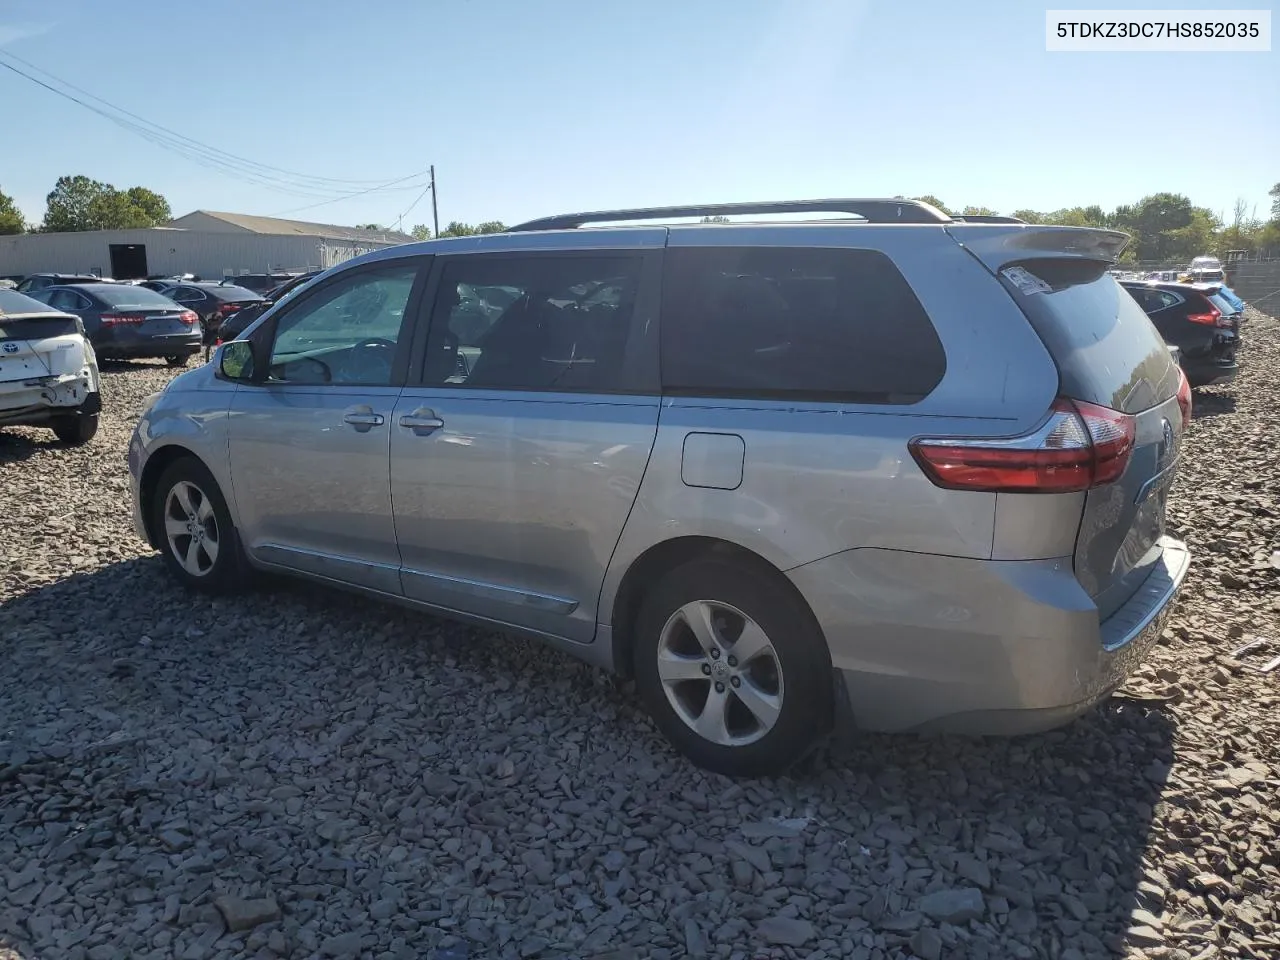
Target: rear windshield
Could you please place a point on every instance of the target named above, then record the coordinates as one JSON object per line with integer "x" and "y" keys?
{"x": 126, "y": 296}
{"x": 231, "y": 292}
{"x": 1222, "y": 303}
{"x": 1106, "y": 349}
{"x": 37, "y": 328}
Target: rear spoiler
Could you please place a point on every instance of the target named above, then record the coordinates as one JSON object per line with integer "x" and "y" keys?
{"x": 998, "y": 244}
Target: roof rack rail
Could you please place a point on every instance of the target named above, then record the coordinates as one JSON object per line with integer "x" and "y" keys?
{"x": 873, "y": 211}
{"x": 986, "y": 218}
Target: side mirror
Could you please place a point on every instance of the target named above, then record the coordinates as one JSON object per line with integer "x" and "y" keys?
{"x": 235, "y": 361}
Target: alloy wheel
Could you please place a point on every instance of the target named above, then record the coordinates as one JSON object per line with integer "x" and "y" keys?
{"x": 720, "y": 673}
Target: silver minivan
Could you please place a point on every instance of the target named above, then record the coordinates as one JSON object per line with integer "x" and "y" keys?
{"x": 890, "y": 471}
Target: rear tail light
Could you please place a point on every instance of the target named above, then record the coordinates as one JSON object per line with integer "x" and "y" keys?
{"x": 120, "y": 319}
{"x": 229, "y": 308}
{"x": 1210, "y": 318}
{"x": 1080, "y": 445}
{"x": 189, "y": 317}
{"x": 1184, "y": 397}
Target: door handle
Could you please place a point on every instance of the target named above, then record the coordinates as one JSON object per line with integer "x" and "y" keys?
{"x": 422, "y": 421}
{"x": 364, "y": 421}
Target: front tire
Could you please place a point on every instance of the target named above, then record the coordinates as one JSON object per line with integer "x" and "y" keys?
{"x": 733, "y": 668}
{"x": 76, "y": 429}
{"x": 193, "y": 526}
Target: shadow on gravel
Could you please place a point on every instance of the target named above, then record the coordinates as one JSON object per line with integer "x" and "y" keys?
{"x": 1051, "y": 828}
{"x": 119, "y": 366}
{"x": 16, "y": 447}
{"x": 1206, "y": 405}
{"x": 1067, "y": 814}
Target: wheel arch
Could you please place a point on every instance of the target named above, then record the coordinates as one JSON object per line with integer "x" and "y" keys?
{"x": 159, "y": 461}
{"x": 662, "y": 557}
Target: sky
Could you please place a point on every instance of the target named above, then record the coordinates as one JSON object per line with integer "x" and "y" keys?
{"x": 533, "y": 107}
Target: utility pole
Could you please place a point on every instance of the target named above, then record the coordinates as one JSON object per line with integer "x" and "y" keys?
{"x": 435, "y": 212}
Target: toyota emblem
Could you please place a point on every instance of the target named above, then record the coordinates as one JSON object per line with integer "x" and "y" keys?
{"x": 10, "y": 348}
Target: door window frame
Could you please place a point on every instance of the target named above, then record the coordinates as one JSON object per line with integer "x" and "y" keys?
{"x": 640, "y": 358}
{"x": 264, "y": 338}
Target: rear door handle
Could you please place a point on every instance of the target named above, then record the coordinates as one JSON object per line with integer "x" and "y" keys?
{"x": 422, "y": 421}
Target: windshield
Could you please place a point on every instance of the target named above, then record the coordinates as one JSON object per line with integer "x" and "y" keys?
{"x": 136, "y": 297}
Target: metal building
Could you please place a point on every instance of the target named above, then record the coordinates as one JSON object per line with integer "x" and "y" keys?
{"x": 207, "y": 243}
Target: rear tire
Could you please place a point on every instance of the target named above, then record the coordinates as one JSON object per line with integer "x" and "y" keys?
{"x": 76, "y": 429}
{"x": 191, "y": 522}
{"x": 750, "y": 715}
{"x": 178, "y": 360}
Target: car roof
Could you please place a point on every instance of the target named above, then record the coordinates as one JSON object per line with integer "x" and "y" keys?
{"x": 82, "y": 287}
{"x": 1173, "y": 285}
{"x": 19, "y": 305}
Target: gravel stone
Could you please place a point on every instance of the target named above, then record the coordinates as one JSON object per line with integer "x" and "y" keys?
{"x": 953, "y": 906}
{"x": 246, "y": 914}
{"x": 786, "y": 930}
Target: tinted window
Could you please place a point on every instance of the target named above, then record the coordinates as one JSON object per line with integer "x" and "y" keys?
{"x": 67, "y": 300}
{"x": 347, "y": 332}
{"x": 36, "y": 328}
{"x": 777, "y": 322}
{"x": 1106, "y": 349}
{"x": 533, "y": 323}
{"x": 231, "y": 292}
{"x": 185, "y": 295}
{"x": 131, "y": 296}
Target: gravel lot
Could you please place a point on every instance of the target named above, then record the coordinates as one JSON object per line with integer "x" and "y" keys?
{"x": 297, "y": 773}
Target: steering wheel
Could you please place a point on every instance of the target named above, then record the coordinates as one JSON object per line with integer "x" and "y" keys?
{"x": 369, "y": 360}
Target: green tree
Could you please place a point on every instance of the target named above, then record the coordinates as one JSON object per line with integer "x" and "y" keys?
{"x": 79, "y": 203}
{"x": 977, "y": 212}
{"x": 153, "y": 206}
{"x": 11, "y": 220}
{"x": 933, "y": 202}
{"x": 715, "y": 219}
{"x": 456, "y": 228}
{"x": 1274, "y": 194}
{"x": 1030, "y": 216}
{"x": 68, "y": 206}
{"x": 420, "y": 231}
{"x": 370, "y": 226}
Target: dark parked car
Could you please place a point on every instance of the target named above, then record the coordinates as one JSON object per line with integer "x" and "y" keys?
{"x": 212, "y": 302}
{"x": 238, "y": 322}
{"x": 41, "y": 281}
{"x": 125, "y": 321}
{"x": 1194, "y": 318}
{"x": 160, "y": 283}
{"x": 260, "y": 283}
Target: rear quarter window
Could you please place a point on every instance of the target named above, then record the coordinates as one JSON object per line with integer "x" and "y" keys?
{"x": 767, "y": 322}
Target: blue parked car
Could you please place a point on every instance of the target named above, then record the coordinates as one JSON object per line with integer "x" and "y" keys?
{"x": 1229, "y": 295}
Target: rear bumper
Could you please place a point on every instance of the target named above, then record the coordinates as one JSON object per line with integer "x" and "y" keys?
{"x": 127, "y": 348}
{"x": 951, "y": 645}
{"x": 1216, "y": 363}
{"x": 40, "y": 401}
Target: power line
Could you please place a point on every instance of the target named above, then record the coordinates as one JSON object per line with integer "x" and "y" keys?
{"x": 417, "y": 200}
{"x": 285, "y": 181}
{"x": 361, "y": 193}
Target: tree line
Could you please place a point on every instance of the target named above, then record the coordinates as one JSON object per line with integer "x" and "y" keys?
{"x": 81, "y": 203}
{"x": 1163, "y": 226}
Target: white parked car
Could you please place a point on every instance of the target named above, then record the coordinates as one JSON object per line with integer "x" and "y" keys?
{"x": 48, "y": 370}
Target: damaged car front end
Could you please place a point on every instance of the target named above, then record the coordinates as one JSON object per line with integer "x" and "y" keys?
{"x": 48, "y": 370}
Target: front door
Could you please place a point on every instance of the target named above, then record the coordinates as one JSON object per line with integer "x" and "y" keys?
{"x": 309, "y": 446}
{"x": 516, "y": 459}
